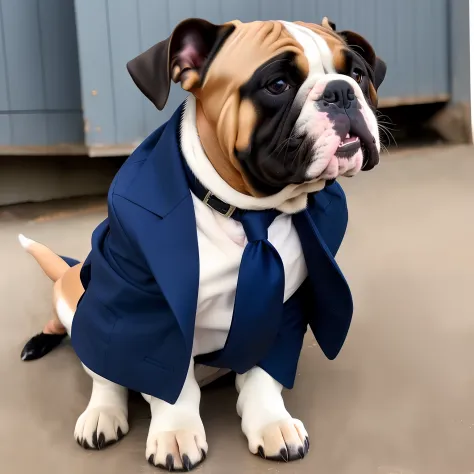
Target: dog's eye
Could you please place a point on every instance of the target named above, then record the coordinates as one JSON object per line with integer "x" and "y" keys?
{"x": 357, "y": 75}
{"x": 277, "y": 87}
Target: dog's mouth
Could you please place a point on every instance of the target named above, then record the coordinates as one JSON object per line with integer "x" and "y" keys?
{"x": 348, "y": 147}
{"x": 352, "y": 144}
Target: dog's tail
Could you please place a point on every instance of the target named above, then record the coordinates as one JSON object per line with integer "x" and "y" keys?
{"x": 52, "y": 265}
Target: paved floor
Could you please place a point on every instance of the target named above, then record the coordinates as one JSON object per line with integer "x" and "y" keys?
{"x": 398, "y": 400}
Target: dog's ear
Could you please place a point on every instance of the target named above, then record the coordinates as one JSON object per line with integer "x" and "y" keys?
{"x": 327, "y": 23}
{"x": 364, "y": 49}
{"x": 183, "y": 57}
{"x": 380, "y": 70}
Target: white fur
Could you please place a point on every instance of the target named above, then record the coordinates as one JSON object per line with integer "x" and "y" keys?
{"x": 25, "y": 241}
{"x": 65, "y": 314}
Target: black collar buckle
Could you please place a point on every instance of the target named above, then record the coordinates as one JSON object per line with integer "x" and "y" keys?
{"x": 218, "y": 205}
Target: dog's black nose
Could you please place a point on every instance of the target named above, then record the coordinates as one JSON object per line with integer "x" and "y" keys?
{"x": 339, "y": 93}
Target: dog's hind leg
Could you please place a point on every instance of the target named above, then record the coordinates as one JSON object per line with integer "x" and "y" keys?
{"x": 105, "y": 420}
{"x": 55, "y": 330}
{"x": 44, "y": 342}
{"x": 65, "y": 273}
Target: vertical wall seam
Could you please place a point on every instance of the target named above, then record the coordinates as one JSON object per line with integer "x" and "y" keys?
{"x": 7, "y": 83}
{"x": 141, "y": 48}
{"x": 43, "y": 71}
{"x": 112, "y": 80}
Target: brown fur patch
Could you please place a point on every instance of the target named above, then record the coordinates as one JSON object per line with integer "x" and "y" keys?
{"x": 373, "y": 94}
{"x": 190, "y": 80}
{"x": 339, "y": 59}
{"x": 219, "y": 123}
{"x": 247, "y": 122}
{"x": 223, "y": 164}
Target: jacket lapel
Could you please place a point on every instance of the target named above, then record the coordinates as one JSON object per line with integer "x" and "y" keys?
{"x": 321, "y": 229}
{"x": 167, "y": 235}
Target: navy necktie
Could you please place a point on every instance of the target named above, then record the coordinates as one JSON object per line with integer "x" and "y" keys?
{"x": 258, "y": 307}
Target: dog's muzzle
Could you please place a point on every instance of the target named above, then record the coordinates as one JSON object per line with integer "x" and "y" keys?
{"x": 342, "y": 106}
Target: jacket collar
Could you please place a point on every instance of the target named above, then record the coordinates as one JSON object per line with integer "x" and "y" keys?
{"x": 160, "y": 184}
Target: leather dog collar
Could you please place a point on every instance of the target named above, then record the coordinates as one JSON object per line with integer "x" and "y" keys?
{"x": 206, "y": 196}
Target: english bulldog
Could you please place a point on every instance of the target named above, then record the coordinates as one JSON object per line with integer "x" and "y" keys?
{"x": 277, "y": 111}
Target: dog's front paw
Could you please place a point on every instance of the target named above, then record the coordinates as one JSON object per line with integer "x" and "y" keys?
{"x": 180, "y": 450}
{"x": 284, "y": 440}
{"x": 100, "y": 427}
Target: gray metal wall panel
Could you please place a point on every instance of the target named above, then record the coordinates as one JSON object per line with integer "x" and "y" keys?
{"x": 23, "y": 54}
{"x": 404, "y": 46}
{"x": 123, "y": 16}
{"x": 441, "y": 46}
{"x": 179, "y": 11}
{"x": 303, "y": 11}
{"x": 386, "y": 47}
{"x": 29, "y": 129}
{"x": 4, "y": 99}
{"x": 243, "y": 10}
{"x": 209, "y": 9}
{"x": 39, "y": 74}
{"x": 269, "y": 9}
{"x": 5, "y": 130}
{"x": 41, "y": 128}
{"x": 59, "y": 55}
{"x": 459, "y": 51}
{"x": 64, "y": 128}
{"x": 97, "y": 86}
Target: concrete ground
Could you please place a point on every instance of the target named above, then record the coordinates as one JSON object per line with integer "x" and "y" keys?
{"x": 398, "y": 400}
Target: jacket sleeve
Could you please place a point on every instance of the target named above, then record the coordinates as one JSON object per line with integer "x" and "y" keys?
{"x": 119, "y": 290}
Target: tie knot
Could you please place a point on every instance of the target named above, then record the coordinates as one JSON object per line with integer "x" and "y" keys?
{"x": 256, "y": 223}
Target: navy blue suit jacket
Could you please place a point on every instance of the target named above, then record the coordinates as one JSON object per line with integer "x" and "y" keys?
{"x": 134, "y": 324}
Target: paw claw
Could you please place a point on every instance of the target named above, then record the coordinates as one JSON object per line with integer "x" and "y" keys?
{"x": 169, "y": 462}
{"x": 188, "y": 465}
{"x": 261, "y": 452}
{"x": 101, "y": 444}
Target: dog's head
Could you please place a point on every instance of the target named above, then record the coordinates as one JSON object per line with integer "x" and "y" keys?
{"x": 285, "y": 103}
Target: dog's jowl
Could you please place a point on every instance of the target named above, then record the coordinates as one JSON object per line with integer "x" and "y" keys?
{"x": 219, "y": 246}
